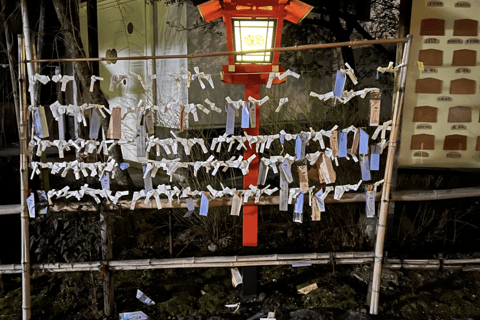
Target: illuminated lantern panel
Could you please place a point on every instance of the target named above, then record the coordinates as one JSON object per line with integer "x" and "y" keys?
{"x": 253, "y": 34}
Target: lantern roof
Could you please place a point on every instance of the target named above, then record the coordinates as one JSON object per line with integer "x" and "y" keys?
{"x": 290, "y": 10}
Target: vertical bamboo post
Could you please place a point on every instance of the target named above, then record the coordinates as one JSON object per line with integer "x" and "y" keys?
{"x": 107, "y": 254}
{"x": 170, "y": 232}
{"x": 392, "y": 146}
{"x": 26, "y": 307}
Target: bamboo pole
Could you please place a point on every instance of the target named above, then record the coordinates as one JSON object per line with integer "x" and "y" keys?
{"x": 392, "y": 146}
{"x": 107, "y": 254}
{"x": 339, "y": 258}
{"x": 25, "y": 223}
{"x": 202, "y": 262}
{"x": 229, "y": 53}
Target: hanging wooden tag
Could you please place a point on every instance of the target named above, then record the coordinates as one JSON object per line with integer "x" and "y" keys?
{"x": 316, "y": 212}
{"x": 115, "y": 126}
{"x": 356, "y": 140}
{"x": 375, "y": 108}
{"x": 147, "y": 181}
{"x": 40, "y": 120}
{"x": 327, "y": 171}
{"x": 321, "y": 202}
{"x": 365, "y": 168}
{"x": 303, "y": 178}
{"x": 236, "y": 204}
{"x": 339, "y": 84}
{"x": 363, "y": 144}
{"x": 314, "y": 170}
{"x": 43, "y": 121}
{"x": 253, "y": 115}
{"x": 298, "y": 211}
{"x": 94, "y": 124}
{"x": 342, "y": 144}
{"x": 182, "y": 118}
{"x": 31, "y": 205}
{"x": 374, "y": 158}
{"x": 334, "y": 143}
{"x": 298, "y": 147}
{"x": 61, "y": 127}
{"x": 141, "y": 141}
{"x": 190, "y": 208}
{"x": 149, "y": 122}
{"x": 245, "y": 123}
{"x": 370, "y": 201}
{"x": 204, "y": 203}
{"x": 286, "y": 169}
{"x": 262, "y": 173}
{"x": 283, "y": 205}
{"x": 105, "y": 181}
{"x": 230, "y": 125}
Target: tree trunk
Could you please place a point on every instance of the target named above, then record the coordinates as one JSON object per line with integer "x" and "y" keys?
{"x": 66, "y": 12}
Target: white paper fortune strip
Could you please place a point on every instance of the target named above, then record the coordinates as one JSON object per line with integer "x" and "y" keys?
{"x": 274, "y": 75}
{"x": 95, "y": 168}
{"x": 85, "y": 190}
{"x": 92, "y": 81}
{"x": 390, "y": 67}
{"x": 281, "y": 103}
{"x": 212, "y": 106}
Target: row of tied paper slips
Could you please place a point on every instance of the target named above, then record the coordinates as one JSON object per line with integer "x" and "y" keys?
{"x": 321, "y": 161}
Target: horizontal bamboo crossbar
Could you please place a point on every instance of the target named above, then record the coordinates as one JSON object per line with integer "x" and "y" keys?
{"x": 338, "y": 258}
{"x": 203, "y": 262}
{"x": 411, "y": 195}
{"x": 229, "y": 53}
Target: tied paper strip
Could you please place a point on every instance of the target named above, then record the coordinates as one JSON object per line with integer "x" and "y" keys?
{"x": 323, "y": 97}
{"x": 212, "y": 106}
{"x": 64, "y": 80}
{"x": 340, "y": 190}
{"x": 390, "y": 68}
{"x": 281, "y": 103}
{"x": 92, "y": 81}
{"x": 201, "y": 75}
{"x": 204, "y": 203}
{"x": 282, "y": 76}
{"x": 298, "y": 211}
{"x": 303, "y": 178}
{"x": 351, "y": 73}
{"x": 253, "y": 115}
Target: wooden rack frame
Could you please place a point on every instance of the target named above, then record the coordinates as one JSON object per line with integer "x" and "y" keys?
{"x": 340, "y": 258}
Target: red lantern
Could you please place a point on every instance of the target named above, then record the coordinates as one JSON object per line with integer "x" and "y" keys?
{"x": 253, "y": 25}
